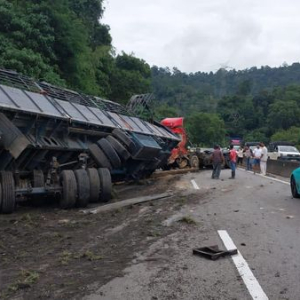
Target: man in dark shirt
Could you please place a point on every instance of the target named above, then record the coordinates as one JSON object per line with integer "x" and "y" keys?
{"x": 217, "y": 160}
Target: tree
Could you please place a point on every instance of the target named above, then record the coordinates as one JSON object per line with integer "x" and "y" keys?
{"x": 205, "y": 129}
{"x": 283, "y": 114}
{"x": 292, "y": 135}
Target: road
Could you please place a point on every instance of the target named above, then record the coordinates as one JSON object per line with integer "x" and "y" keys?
{"x": 261, "y": 218}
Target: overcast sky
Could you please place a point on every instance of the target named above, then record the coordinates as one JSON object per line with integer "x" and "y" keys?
{"x": 205, "y": 35}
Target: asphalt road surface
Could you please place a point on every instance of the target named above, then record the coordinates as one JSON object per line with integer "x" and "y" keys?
{"x": 261, "y": 219}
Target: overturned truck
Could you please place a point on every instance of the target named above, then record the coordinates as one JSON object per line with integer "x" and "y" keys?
{"x": 70, "y": 146}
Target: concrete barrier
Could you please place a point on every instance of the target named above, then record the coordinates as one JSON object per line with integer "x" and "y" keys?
{"x": 281, "y": 167}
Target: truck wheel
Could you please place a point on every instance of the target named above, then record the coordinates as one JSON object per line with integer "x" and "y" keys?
{"x": 38, "y": 178}
{"x": 120, "y": 149}
{"x": 8, "y": 192}
{"x": 83, "y": 187}
{"x": 294, "y": 188}
{"x": 99, "y": 157}
{"x": 105, "y": 184}
{"x": 94, "y": 184}
{"x": 69, "y": 185}
{"x": 182, "y": 162}
{"x": 122, "y": 137}
{"x": 110, "y": 153}
{"x": 194, "y": 161}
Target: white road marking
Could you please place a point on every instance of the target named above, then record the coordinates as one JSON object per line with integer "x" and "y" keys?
{"x": 246, "y": 274}
{"x": 196, "y": 187}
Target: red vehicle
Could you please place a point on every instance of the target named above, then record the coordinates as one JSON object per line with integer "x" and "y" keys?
{"x": 180, "y": 157}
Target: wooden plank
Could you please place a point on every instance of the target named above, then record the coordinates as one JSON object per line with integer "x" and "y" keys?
{"x": 173, "y": 172}
{"x": 124, "y": 203}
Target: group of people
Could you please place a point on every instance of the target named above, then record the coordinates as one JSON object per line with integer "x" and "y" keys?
{"x": 256, "y": 160}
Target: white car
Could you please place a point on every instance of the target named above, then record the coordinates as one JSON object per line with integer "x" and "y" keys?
{"x": 284, "y": 152}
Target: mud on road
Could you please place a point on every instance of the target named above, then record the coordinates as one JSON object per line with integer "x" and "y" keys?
{"x": 48, "y": 253}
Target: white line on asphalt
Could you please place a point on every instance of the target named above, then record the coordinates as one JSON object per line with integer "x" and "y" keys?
{"x": 246, "y": 274}
{"x": 267, "y": 177}
{"x": 196, "y": 187}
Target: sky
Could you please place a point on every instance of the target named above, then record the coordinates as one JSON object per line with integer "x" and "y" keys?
{"x": 206, "y": 35}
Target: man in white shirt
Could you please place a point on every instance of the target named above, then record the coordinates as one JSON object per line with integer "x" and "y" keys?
{"x": 256, "y": 160}
{"x": 263, "y": 158}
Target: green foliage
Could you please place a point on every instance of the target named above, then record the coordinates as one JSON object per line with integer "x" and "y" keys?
{"x": 164, "y": 111}
{"x": 283, "y": 114}
{"x": 205, "y": 129}
{"x": 129, "y": 76}
{"x": 64, "y": 43}
{"x": 292, "y": 134}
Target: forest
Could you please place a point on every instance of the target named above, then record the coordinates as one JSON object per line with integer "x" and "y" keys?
{"x": 65, "y": 43}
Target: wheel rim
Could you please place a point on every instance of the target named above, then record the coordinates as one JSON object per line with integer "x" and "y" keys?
{"x": 195, "y": 162}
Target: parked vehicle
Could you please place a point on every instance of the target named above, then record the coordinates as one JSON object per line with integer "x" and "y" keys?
{"x": 295, "y": 183}
{"x": 283, "y": 151}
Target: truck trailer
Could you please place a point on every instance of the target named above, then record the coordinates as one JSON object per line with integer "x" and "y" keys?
{"x": 70, "y": 146}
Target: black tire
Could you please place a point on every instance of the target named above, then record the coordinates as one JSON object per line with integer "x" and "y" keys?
{"x": 99, "y": 157}
{"x": 294, "y": 188}
{"x": 83, "y": 188}
{"x": 94, "y": 185}
{"x": 8, "y": 192}
{"x": 38, "y": 178}
{"x": 110, "y": 153}
{"x": 69, "y": 185}
{"x": 105, "y": 184}
{"x": 122, "y": 137}
{"x": 120, "y": 149}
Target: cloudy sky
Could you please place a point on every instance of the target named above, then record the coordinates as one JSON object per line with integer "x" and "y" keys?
{"x": 205, "y": 35}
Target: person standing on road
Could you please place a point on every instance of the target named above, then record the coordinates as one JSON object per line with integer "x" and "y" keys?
{"x": 217, "y": 158}
{"x": 256, "y": 160}
{"x": 248, "y": 155}
{"x": 240, "y": 156}
{"x": 263, "y": 158}
{"x": 232, "y": 162}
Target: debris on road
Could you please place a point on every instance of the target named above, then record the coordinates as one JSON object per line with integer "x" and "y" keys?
{"x": 127, "y": 202}
{"x": 213, "y": 252}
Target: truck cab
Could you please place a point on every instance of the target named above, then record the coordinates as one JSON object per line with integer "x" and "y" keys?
{"x": 283, "y": 151}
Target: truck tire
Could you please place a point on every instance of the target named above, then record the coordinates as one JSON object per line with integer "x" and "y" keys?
{"x": 99, "y": 157}
{"x": 83, "y": 188}
{"x": 8, "y": 192}
{"x": 94, "y": 185}
{"x": 105, "y": 184}
{"x": 194, "y": 161}
{"x": 122, "y": 137}
{"x": 69, "y": 185}
{"x": 120, "y": 149}
{"x": 110, "y": 153}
